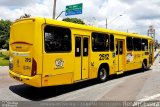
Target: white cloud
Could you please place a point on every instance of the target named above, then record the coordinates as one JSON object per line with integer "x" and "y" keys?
{"x": 19, "y": 3}
{"x": 137, "y": 14}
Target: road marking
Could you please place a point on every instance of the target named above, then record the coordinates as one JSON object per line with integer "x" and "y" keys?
{"x": 149, "y": 98}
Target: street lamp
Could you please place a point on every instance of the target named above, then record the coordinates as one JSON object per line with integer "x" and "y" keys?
{"x": 112, "y": 20}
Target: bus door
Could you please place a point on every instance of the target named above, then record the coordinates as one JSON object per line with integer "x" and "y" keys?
{"x": 150, "y": 53}
{"x": 120, "y": 56}
{"x": 81, "y": 58}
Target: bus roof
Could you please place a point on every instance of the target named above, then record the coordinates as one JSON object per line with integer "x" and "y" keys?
{"x": 86, "y": 27}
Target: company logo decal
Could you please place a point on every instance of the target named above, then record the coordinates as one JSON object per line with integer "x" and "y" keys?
{"x": 59, "y": 63}
{"x": 129, "y": 57}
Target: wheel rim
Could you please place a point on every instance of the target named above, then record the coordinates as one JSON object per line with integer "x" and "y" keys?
{"x": 103, "y": 74}
{"x": 144, "y": 66}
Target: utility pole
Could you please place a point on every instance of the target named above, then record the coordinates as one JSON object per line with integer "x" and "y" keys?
{"x": 106, "y": 23}
{"x": 54, "y": 9}
{"x": 151, "y": 32}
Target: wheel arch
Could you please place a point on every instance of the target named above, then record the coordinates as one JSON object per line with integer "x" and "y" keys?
{"x": 145, "y": 62}
{"x": 144, "y": 65}
{"x": 105, "y": 65}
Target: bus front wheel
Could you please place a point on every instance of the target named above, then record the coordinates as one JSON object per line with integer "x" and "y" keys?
{"x": 102, "y": 74}
{"x": 144, "y": 66}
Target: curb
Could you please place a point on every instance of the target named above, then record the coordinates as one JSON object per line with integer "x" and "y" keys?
{"x": 3, "y": 66}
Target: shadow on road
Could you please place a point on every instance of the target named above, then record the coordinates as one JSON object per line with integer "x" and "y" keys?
{"x": 39, "y": 94}
{"x": 156, "y": 55}
{"x": 128, "y": 73}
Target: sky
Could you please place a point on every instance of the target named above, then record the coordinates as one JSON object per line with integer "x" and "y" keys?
{"x": 134, "y": 16}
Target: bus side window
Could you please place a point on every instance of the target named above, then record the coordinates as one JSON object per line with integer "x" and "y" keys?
{"x": 137, "y": 44}
{"x": 111, "y": 42}
{"x": 57, "y": 39}
{"x": 129, "y": 44}
{"x": 100, "y": 42}
{"x": 144, "y": 45}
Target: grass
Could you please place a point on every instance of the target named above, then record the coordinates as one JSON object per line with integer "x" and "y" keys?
{"x": 4, "y": 62}
{"x": 4, "y": 58}
{"x": 6, "y": 53}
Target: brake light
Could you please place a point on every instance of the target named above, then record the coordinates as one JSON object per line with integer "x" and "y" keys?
{"x": 34, "y": 67}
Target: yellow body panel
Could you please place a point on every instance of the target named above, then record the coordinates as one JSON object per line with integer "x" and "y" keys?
{"x": 27, "y": 41}
{"x": 77, "y": 68}
{"x": 60, "y": 79}
{"x": 50, "y": 70}
{"x": 33, "y": 81}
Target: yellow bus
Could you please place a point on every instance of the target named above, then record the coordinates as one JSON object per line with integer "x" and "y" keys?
{"x": 46, "y": 52}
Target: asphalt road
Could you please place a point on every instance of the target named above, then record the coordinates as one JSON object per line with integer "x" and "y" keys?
{"x": 132, "y": 86}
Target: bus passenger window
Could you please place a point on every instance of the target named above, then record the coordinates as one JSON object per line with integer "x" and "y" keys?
{"x": 129, "y": 44}
{"x": 111, "y": 42}
{"x": 137, "y": 44}
{"x": 100, "y": 42}
{"x": 144, "y": 45}
{"x": 57, "y": 39}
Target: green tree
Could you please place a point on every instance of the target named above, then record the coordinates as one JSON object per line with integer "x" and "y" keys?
{"x": 74, "y": 20}
{"x": 24, "y": 16}
{"x": 4, "y": 33}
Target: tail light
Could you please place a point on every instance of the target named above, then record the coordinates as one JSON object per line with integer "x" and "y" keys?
{"x": 34, "y": 67}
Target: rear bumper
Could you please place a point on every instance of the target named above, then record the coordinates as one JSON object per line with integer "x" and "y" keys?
{"x": 32, "y": 81}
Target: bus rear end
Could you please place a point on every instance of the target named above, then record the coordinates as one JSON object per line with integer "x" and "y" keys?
{"x": 25, "y": 66}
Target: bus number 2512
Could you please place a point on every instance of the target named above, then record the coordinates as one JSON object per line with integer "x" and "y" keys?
{"x": 103, "y": 56}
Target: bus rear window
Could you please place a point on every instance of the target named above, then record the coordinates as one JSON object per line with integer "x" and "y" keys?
{"x": 57, "y": 39}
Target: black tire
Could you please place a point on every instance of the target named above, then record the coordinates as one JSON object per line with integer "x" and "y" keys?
{"x": 144, "y": 66}
{"x": 102, "y": 74}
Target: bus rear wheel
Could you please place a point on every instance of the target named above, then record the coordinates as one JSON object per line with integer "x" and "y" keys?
{"x": 102, "y": 74}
